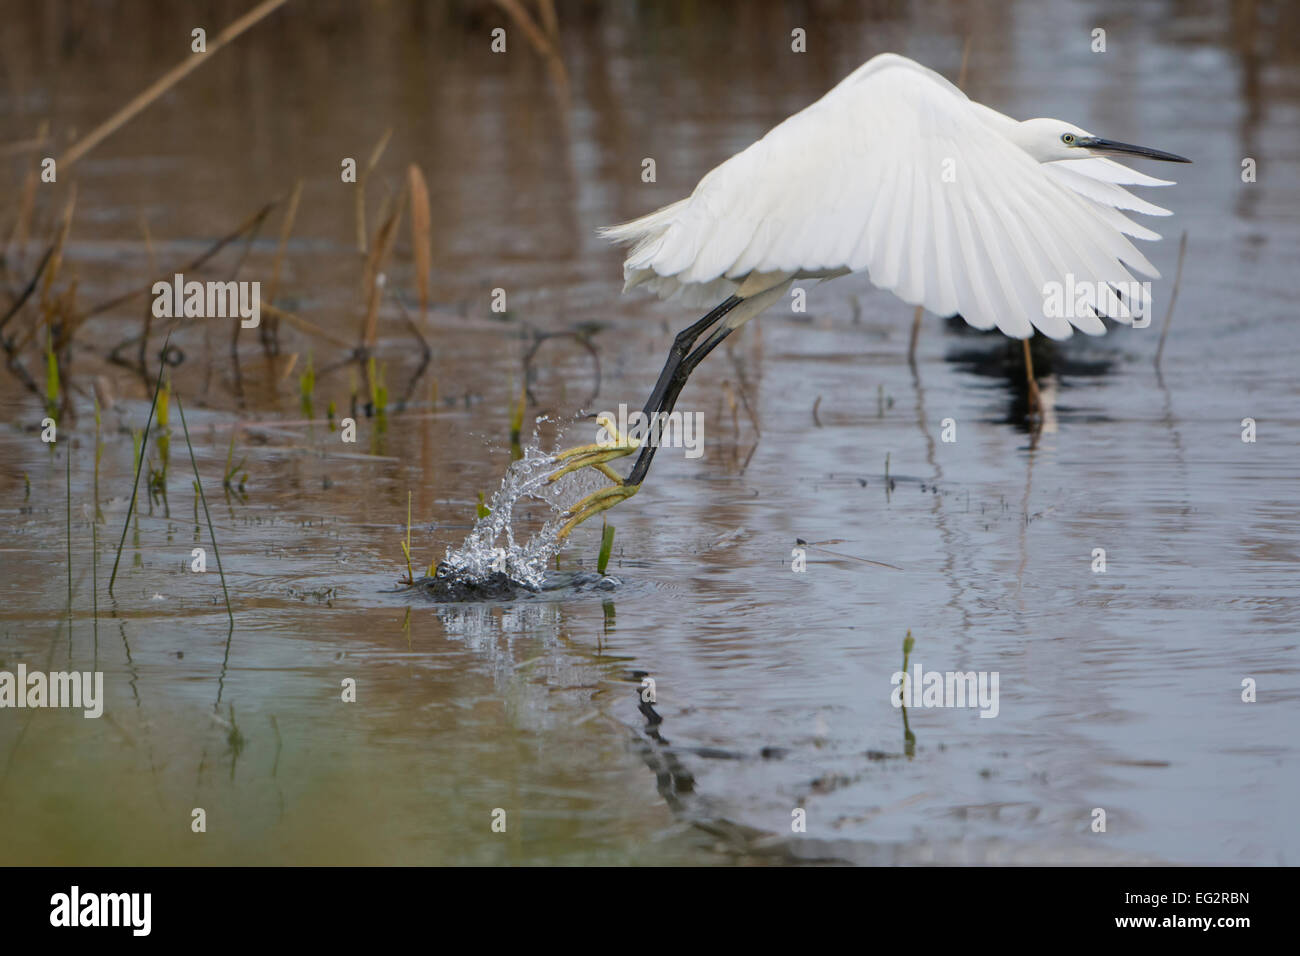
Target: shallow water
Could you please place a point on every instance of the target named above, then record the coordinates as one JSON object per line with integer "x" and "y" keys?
{"x": 1119, "y": 690}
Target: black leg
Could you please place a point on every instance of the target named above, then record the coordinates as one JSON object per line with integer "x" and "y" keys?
{"x": 670, "y": 385}
{"x": 681, "y": 346}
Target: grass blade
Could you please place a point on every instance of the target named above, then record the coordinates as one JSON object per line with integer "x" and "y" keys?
{"x": 139, "y": 465}
{"x": 207, "y": 514}
{"x": 606, "y": 546}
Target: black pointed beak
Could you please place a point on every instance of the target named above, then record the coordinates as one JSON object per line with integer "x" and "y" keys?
{"x": 1110, "y": 146}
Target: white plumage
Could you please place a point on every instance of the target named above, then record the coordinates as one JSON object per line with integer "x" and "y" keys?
{"x": 895, "y": 172}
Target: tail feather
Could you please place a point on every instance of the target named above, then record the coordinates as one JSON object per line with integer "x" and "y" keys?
{"x": 640, "y": 230}
{"x": 645, "y": 236}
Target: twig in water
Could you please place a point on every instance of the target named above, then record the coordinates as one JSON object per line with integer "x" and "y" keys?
{"x": 1173, "y": 297}
{"x": 164, "y": 83}
{"x": 28, "y": 289}
{"x": 270, "y": 331}
{"x": 544, "y": 41}
{"x": 252, "y": 223}
{"x": 94, "y": 531}
{"x": 814, "y": 546}
{"x": 421, "y": 228}
{"x": 364, "y": 175}
{"x": 426, "y": 353}
{"x": 373, "y": 285}
{"x": 67, "y": 477}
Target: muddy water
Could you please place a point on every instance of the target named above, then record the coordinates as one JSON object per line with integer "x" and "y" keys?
{"x": 1118, "y": 690}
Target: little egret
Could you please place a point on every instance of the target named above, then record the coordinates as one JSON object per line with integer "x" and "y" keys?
{"x": 945, "y": 202}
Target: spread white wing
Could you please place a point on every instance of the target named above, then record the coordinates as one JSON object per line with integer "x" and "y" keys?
{"x": 896, "y": 173}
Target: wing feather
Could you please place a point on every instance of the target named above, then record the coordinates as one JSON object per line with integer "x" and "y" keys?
{"x": 944, "y": 295}
{"x": 896, "y": 173}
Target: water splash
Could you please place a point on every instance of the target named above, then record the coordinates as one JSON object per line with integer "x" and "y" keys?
{"x": 491, "y": 560}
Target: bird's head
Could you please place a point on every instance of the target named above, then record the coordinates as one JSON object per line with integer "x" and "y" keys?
{"x": 1050, "y": 139}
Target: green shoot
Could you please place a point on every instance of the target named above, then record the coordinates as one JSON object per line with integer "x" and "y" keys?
{"x": 606, "y": 546}
{"x": 406, "y": 545}
{"x": 51, "y": 376}
{"x": 307, "y": 388}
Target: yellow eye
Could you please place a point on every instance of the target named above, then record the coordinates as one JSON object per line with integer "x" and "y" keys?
{"x": 1067, "y": 139}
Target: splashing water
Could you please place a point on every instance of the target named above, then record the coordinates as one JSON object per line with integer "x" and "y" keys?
{"x": 490, "y": 555}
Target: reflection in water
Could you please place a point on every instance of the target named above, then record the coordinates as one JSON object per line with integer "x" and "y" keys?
{"x": 1056, "y": 367}
{"x": 489, "y": 630}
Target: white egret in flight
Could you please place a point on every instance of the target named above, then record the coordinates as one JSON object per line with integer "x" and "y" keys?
{"x": 945, "y": 202}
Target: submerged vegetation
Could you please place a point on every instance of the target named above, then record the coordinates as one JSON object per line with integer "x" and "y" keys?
{"x": 234, "y": 477}
{"x": 160, "y": 349}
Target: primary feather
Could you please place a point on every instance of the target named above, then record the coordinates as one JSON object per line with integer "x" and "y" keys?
{"x": 897, "y": 173}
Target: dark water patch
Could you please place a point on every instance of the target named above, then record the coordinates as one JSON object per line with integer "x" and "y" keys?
{"x": 447, "y": 585}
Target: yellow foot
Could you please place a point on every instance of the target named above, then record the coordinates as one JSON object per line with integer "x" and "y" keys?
{"x": 595, "y": 456}
{"x": 594, "y": 504}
